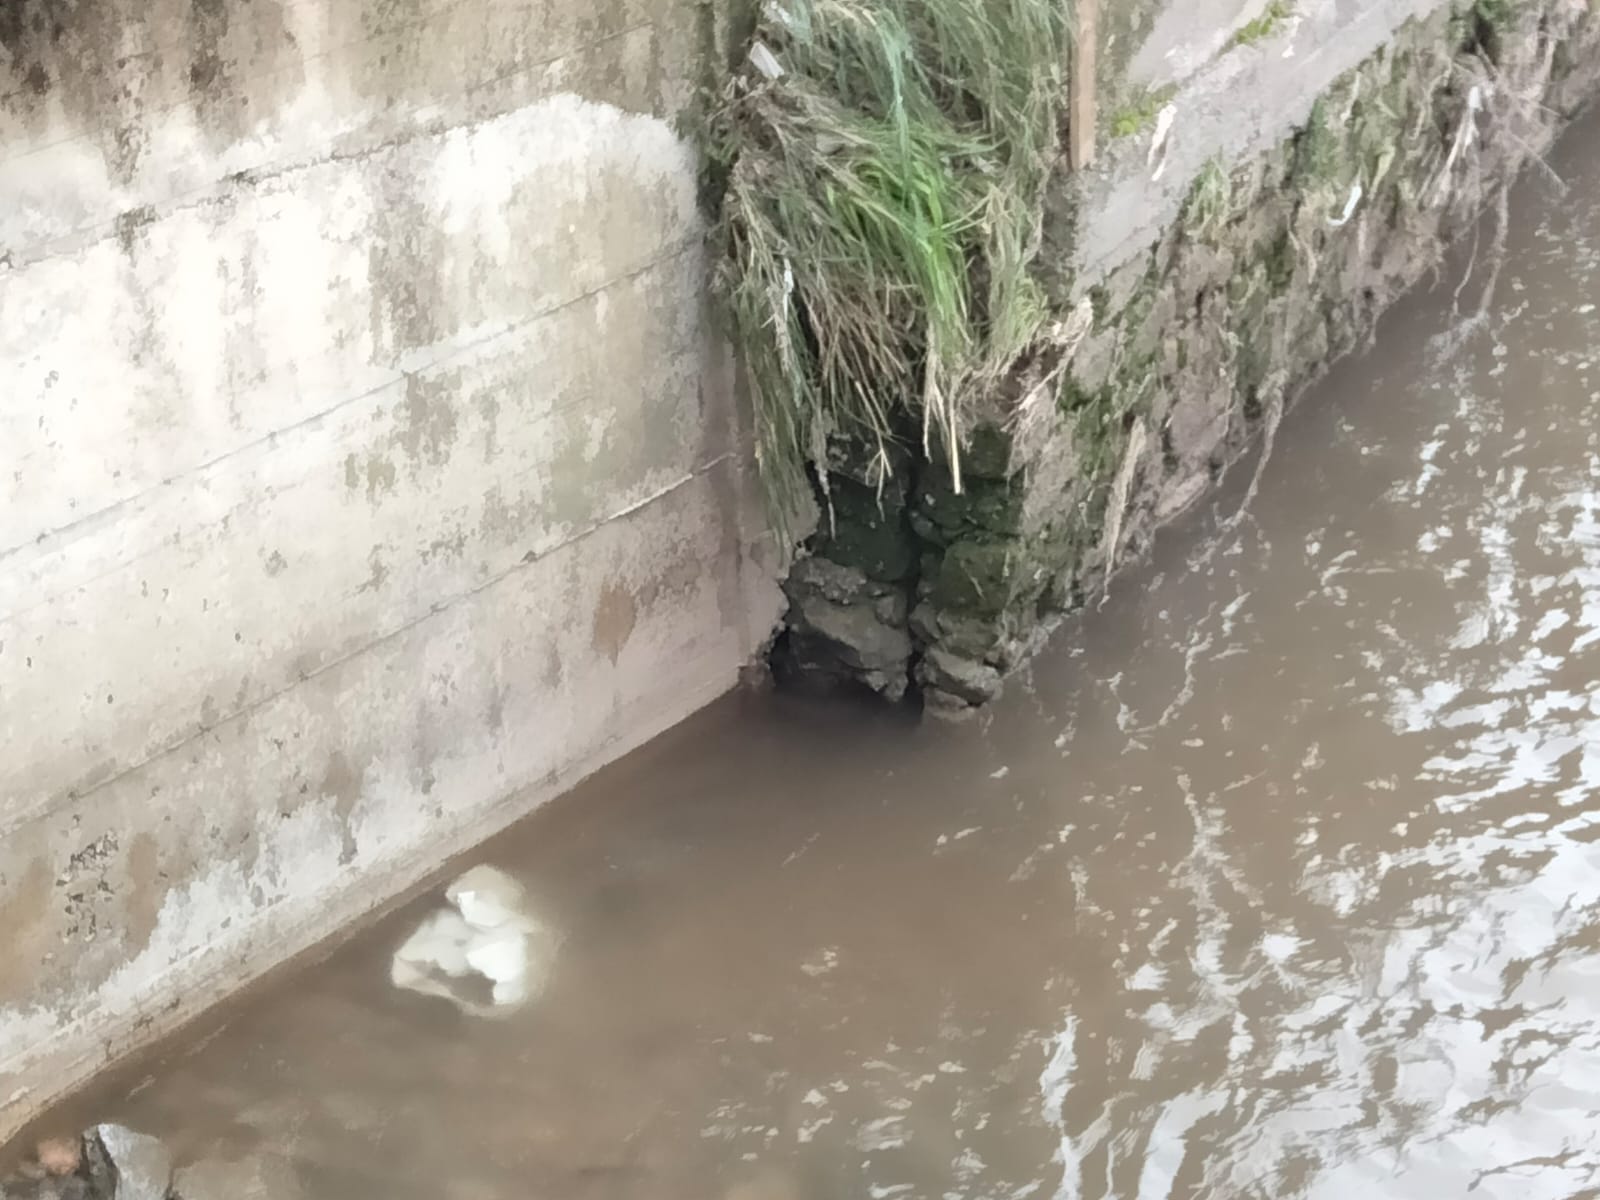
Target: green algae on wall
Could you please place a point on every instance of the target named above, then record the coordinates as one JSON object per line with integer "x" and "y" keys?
{"x": 939, "y": 560}
{"x": 1275, "y": 267}
{"x": 1264, "y": 26}
{"x": 1139, "y": 111}
{"x": 1124, "y": 24}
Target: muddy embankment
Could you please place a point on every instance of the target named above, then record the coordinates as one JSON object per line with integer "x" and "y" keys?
{"x": 1166, "y": 358}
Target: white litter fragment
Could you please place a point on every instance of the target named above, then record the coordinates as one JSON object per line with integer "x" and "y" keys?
{"x": 1158, "y": 140}
{"x": 1350, "y": 205}
{"x": 487, "y": 931}
{"x": 765, "y": 61}
{"x": 1466, "y": 136}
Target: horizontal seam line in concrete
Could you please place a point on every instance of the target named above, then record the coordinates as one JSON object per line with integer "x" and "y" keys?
{"x": 88, "y": 132}
{"x": 215, "y": 192}
{"x": 673, "y": 251}
{"x": 43, "y": 807}
{"x": 158, "y": 48}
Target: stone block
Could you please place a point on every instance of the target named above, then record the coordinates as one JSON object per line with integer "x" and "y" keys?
{"x": 968, "y": 680}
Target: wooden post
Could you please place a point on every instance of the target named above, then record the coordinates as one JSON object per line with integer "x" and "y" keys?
{"x": 1082, "y": 114}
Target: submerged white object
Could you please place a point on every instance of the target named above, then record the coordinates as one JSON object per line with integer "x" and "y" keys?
{"x": 489, "y": 932}
{"x": 501, "y": 956}
{"x": 440, "y": 942}
{"x": 488, "y": 898}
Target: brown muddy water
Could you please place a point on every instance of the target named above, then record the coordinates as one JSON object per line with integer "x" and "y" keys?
{"x": 1277, "y": 877}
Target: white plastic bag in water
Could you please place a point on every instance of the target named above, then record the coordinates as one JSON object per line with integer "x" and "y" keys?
{"x": 488, "y": 931}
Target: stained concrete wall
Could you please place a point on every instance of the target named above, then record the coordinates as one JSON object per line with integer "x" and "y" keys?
{"x": 1228, "y": 101}
{"x": 367, "y": 470}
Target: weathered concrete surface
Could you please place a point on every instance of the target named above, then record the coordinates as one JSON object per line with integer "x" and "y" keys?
{"x": 1179, "y": 39}
{"x": 1229, "y": 107}
{"x": 367, "y": 471}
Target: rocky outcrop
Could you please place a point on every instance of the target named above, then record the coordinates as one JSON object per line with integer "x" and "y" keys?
{"x": 113, "y": 1162}
{"x": 106, "y": 1162}
{"x": 140, "y": 1163}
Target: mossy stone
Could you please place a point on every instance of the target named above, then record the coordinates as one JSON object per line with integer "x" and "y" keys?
{"x": 975, "y": 576}
{"x": 984, "y": 506}
{"x": 986, "y": 453}
{"x": 861, "y": 534}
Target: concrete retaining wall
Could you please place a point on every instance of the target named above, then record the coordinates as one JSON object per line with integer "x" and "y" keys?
{"x": 367, "y": 472}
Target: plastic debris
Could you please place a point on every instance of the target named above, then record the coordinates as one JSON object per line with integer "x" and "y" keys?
{"x": 488, "y": 932}
{"x": 765, "y": 61}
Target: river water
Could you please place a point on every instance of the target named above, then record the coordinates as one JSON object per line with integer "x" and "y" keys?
{"x": 1279, "y": 875}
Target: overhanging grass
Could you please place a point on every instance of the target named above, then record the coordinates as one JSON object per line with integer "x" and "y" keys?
{"x": 880, "y": 216}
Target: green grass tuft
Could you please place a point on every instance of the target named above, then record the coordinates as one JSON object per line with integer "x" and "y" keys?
{"x": 1209, "y": 203}
{"x": 1140, "y": 113}
{"x": 879, "y": 219}
{"x": 1276, "y": 13}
